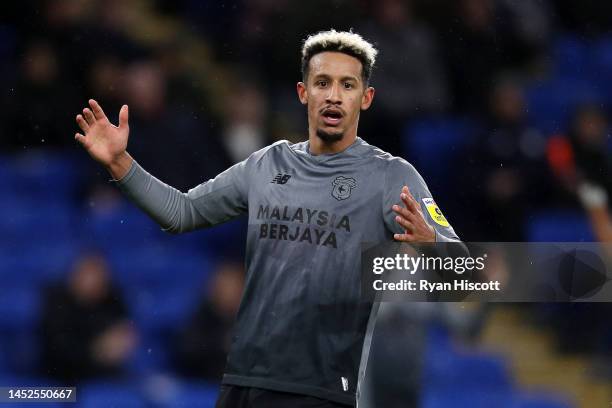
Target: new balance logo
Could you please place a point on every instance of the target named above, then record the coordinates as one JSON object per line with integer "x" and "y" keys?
{"x": 345, "y": 383}
{"x": 281, "y": 178}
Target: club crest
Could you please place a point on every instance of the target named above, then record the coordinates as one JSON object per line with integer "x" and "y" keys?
{"x": 342, "y": 187}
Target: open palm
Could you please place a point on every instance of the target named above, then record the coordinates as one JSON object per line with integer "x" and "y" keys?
{"x": 103, "y": 141}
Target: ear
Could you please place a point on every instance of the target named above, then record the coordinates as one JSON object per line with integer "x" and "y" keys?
{"x": 302, "y": 93}
{"x": 367, "y": 97}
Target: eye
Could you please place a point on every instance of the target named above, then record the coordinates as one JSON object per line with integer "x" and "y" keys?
{"x": 322, "y": 83}
{"x": 348, "y": 85}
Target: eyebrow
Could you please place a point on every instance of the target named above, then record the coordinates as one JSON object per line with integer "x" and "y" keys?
{"x": 344, "y": 78}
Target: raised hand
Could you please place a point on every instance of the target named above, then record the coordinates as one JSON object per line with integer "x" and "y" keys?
{"x": 412, "y": 220}
{"x": 105, "y": 142}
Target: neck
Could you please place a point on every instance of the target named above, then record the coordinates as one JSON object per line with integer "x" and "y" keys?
{"x": 319, "y": 146}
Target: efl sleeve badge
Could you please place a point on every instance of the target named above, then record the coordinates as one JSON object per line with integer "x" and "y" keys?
{"x": 435, "y": 213}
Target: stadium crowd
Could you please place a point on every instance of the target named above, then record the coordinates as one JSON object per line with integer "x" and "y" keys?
{"x": 503, "y": 106}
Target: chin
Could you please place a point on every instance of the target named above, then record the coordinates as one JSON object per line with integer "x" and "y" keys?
{"x": 329, "y": 137}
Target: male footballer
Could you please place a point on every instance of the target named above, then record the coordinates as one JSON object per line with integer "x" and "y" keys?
{"x": 311, "y": 205}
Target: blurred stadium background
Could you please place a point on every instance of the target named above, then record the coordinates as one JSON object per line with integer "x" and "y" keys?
{"x": 502, "y": 105}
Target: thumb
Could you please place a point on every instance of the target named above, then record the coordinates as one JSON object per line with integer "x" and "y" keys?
{"x": 123, "y": 116}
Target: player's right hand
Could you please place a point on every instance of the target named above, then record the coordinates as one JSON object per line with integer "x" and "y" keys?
{"x": 103, "y": 141}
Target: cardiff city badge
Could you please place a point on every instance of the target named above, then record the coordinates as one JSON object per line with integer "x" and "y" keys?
{"x": 342, "y": 187}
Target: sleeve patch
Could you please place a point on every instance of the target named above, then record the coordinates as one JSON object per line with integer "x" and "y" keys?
{"x": 435, "y": 213}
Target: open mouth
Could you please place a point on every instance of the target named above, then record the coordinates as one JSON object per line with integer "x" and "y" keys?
{"x": 332, "y": 117}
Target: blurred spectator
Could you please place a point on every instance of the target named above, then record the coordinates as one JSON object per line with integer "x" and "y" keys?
{"x": 85, "y": 328}
{"x": 35, "y": 109}
{"x": 245, "y": 113}
{"x": 105, "y": 79}
{"x": 594, "y": 199}
{"x": 581, "y": 163}
{"x": 582, "y": 156}
{"x": 204, "y": 343}
{"x": 483, "y": 39}
{"x": 507, "y": 167}
{"x": 172, "y": 142}
{"x": 411, "y": 79}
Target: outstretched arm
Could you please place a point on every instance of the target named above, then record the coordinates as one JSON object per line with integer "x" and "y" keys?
{"x": 210, "y": 203}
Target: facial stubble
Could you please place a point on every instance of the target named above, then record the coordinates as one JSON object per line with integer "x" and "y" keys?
{"x": 329, "y": 137}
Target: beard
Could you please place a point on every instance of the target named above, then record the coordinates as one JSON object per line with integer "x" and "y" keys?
{"x": 328, "y": 137}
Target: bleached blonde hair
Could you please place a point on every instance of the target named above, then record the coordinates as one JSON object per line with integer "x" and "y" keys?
{"x": 347, "y": 42}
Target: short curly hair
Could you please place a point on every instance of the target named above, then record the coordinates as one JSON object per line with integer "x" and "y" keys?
{"x": 347, "y": 42}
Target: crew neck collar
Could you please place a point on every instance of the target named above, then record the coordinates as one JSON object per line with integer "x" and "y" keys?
{"x": 357, "y": 142}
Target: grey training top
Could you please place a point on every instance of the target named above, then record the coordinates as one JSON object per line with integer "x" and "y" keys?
{"x": 301, "y": 322}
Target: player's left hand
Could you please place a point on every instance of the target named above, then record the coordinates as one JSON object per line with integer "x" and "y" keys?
{"x": 412, "y": 220}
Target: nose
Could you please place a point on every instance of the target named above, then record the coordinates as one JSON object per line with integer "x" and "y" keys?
{"x": 334, "y": 96}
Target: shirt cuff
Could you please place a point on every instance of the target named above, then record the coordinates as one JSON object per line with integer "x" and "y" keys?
{"x": 123, "y": 180}
{"x": 443, "y": 238}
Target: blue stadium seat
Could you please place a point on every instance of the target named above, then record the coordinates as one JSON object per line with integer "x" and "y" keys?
{"x": 5, "y": 174}
{"x": 551, "y": 103}
{"x": 152, "y": 355}
{"x": 485, "y": 398}
{"x": 194, "y": 394}
{"x": 539, "y": 400}
{"x": 575, "y": 60}
{"x": 449, "y": 370}
{"x": 602, "y": 67}
{"x": 32, "y": 220}
{"x": 19, "y": 318}
{"x": 430, "y": 144}
{"x": 438, "y": 338}
{"x": 25, "y": 380}
{"x": 465, "y": 398}
{"x": 155, "y": 265}
{"x": 21, "y": 347}
{"x": 119, "y": 227}
{"x": 162, "y": 308}
{"x": 571, "y": 57}
{"x": 35, "y": 405}
{"x": 128, "y": 226}
{"x": 36, "y": 264}
{"x": 225, "y": 240}
{"x": 44, "y": 174}
{"x": 559, "y": 226}
{"x": 105, "y": 395}
{"x": 4, "y": 358}
{"x": 19, "y": 307}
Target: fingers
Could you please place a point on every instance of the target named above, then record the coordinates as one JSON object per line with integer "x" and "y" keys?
{"x": 406, "y": 190}
{"x": 407, "y": 225}
{"x": 404, "y": 213}
{"x": 409, "y": 200}
{"x": 80, "y": 138}
{"x": 123, "y": 116}
{"x": 82, "y": 123}
{"x": 403, "y": 237}
{"x": 97, "y": 109}
{"x": 89, "y": 116}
